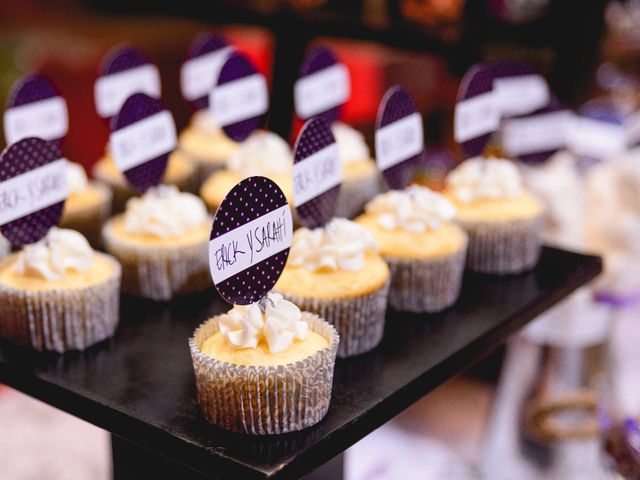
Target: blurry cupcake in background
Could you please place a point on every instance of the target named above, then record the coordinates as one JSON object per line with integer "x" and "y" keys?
{"x": 5, "y": 247}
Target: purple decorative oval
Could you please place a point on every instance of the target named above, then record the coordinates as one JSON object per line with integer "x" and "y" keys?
{"x": 32, "y": 172}
{"x": 250, "y": 240}
{"x": 143, "y": 136}
{"x": 399, "y": 137}
{"x": 35, "y": 109}
{"x": 240, "y": 99}
{"x": 317, "y": 173}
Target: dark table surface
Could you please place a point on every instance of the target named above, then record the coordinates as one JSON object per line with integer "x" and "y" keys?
{"x": 140, "y": 385}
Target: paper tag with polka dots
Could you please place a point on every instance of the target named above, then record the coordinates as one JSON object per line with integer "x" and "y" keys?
{"x": 250, "y": 240}
{"x": 200, "y": 71}
{"x": 143, "y": 136}
{"x": 399, "y": 138}
{"x": 35, "y": 109}
{"x": 240, "y": 98}
{"x": 125, "y": 71}
{"x": 317, "y": 174}
{"x": 33, "y": 188}
{"x": 323, "y": 86}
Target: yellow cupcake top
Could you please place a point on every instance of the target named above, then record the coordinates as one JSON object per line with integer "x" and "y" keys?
{"x": 263, "y": 153}
{"x": 205, "y": 140}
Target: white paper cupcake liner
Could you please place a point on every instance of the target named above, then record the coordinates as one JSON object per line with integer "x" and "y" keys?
{"x": 354, "y": 194}
{"x": 426, "y": 285}
{"x": 5, "y": 247}
{"x": 89, "y": 221}
{"x": 359, "y": 320}
{"x": 504, "y": 248}
{"x": 265, "y": 399}
{"x": 206, "y": 168}
{"x": 64, "y": 319}
{"x": 160, "y": 273}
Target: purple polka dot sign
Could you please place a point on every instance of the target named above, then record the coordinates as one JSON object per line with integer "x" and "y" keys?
{"x": 33, "y": 188}
{"x": 240, "y": 99}
{"x": 35, "y": 109}
{"x": 250, "y": 240}
{"x": 143, "y": 136}
{"x": 317, "y": 173}
{"x": 519, "y": 90}
{"x": 399, "y": 138}
{"x": 125, "y": 71}
{"x": 476, "y": 116}
{"x": 323, "y": 86}
{"x": 201, "y": 68}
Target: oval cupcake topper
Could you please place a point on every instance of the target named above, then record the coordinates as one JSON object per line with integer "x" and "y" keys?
{"x": 519, "y": 90}
{"x": 534, "y": 138}
{"x": 125, "y": 71}
{"x": 250, "y": 240}
{"x": 35, "y": 109}
{"x": 143, "y": 136}
{"x": 240, "y": 98}
{"x": 201, "y": 68}
{"x": 323, "y": 86}
{"x": 399, "y": 137}
{"x": 317, "y": 174}
{"x": 476, "y": 116}
{"x": 33, "y": 188}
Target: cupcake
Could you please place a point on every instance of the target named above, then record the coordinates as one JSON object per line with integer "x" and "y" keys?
{"x": 263, "y": 153}
{"x": 180, "y": 172}
{"x": 264, "y": 369}
{"x": 423, "y": 246}
{"x": 88, "y": 205}
{"x": 161, "y": 241}
{"x": 206, "y": 145}
{"x": 360, "y": 180}
{"x": 504, "y": 222}
{"x": 337, "y": 273}
{"x": 5, "y": 247}
{"x": 59, "y": 294}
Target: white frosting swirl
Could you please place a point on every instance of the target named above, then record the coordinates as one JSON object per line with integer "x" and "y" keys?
{"x": 263, "y": 153}
{"x": 351, "y": 145}
{"x": 77, "y": 180}
{"x": 164, "y": 211}
{"x": 339, "y": 245}
{"x": 204, "y": 121}
{"x": 485, "y": 178}
{"x": 245, "y": 326}
{"x": 415, "y": 209}
{"x": 62, "y": 251}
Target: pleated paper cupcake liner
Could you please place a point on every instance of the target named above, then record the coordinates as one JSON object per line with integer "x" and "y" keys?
{"x": 426, "y": 285}
{"x": 206, "y": 168}
{"x": 64, "y": 319}
{"x": 354, "y": 194}
{"x": 504, "y": 248}
{"x": 89, "y": 221}
{"x": 265, "y": 399}
{"x": 359, "y": 320}
{"x": 5, "y": 247}
{"x": 160, "y": 273}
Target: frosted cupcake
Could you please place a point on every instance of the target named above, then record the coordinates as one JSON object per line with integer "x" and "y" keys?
{"x": 206, "y": 145}
{"x": 58, "y": 294}
{"x": 180, "y": 172}
{"x": 337, "y": 273}
{"x": 360, "y": 180}
{"x": 88, "y": 205}
{"x": 504, "y": 222}
{"x": 424, "y": 248}
{"x": 264, "y": 370}
{"x": 161, "y": 241}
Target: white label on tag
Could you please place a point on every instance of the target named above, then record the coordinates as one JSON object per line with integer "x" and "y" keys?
{"x": 399, "y": 141}
{"x": 239, "y": 100}
{"x": 475, "y": 117}
{"x": 47, "y": 119}
{"x": 632, "y": 129}
{"x": 322, "y": 91}
{"x": 316, "y": 174}
{"x": 32, "y": 191}
{"x": 520, "y": 95}
{"x": 143, "y": 140}
{"x": 250, "y": 244}
{"x": 595, "y": 138}
{"x": 199, "y": 75}
{"x": 111, "y": 91}
{"x": 536, "y": 134}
